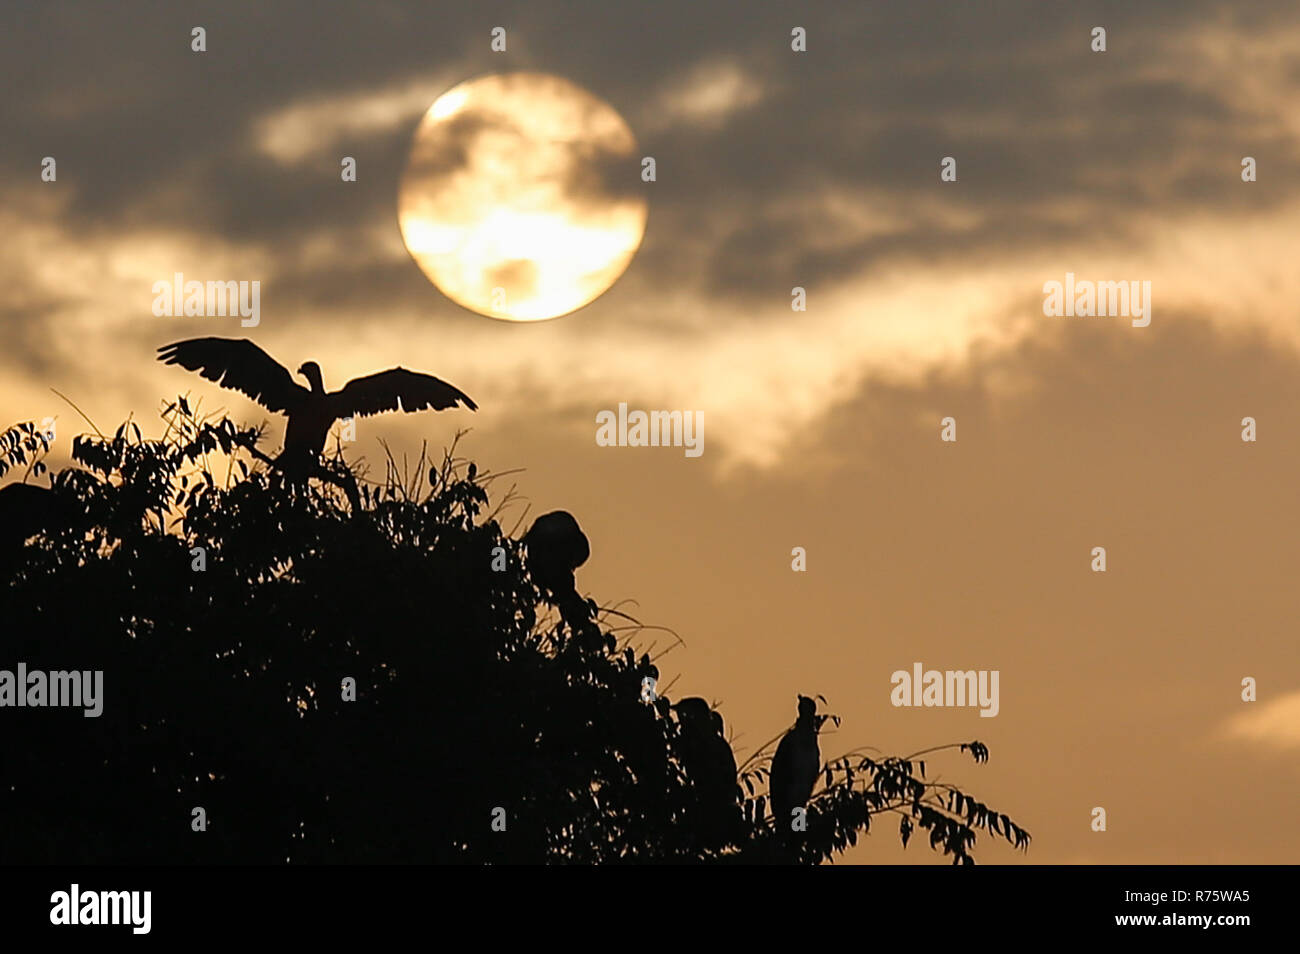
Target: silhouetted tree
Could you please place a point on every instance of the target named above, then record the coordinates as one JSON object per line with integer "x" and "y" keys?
{"x": 231, "y": 610}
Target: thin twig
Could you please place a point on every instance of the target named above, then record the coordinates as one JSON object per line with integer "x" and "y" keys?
{"x": 79, "y": 411}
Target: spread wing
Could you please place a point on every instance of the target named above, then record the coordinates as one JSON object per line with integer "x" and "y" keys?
{"x": 396, "y": 390}
{"x": 240, "y": 365}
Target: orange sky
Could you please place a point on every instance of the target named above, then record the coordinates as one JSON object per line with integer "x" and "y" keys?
{"x": 776, "y": 170}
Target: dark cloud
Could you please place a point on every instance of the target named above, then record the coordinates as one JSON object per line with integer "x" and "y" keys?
{"x": 436, "y": 158}
{"x": 599, "y": 176}
{"x": 148, "y": 133}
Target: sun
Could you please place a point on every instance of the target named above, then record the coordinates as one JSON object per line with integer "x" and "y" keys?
{"x": 522, "y": 197}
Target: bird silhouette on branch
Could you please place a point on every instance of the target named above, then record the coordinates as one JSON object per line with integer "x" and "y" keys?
{"x": 397, "y": 680}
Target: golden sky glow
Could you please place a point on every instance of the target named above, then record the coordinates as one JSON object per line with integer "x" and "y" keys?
{"x": 924, "y": 300}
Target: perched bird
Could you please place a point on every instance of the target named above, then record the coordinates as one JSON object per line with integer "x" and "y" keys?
{"x": 556, "y": 547}
{"x": 243, "y": 366}
{"x": 795, "y": 766}
{"x": 711, "y": 767}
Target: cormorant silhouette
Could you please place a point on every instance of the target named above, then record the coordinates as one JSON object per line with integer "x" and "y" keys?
{"x": 711, "y": 766}
{"x": 556, "y": 547}
{"x": 795, "y": 766}
{"x": 243, "y": 366}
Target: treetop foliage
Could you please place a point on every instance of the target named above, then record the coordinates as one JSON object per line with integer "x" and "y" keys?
{"x": 226, "y": 607}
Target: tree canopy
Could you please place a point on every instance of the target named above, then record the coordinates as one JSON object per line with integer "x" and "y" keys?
{"x": 227, "y": 608}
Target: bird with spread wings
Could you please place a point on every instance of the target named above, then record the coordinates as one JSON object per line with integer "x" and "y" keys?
{"x": 242, "y": 366}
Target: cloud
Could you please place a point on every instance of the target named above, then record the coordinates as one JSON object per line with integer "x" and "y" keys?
{"x": 775, "y": 170}
{"x": 299, "y": 132}
{"x": 705, "y": 96}
{"x": 1274, "y": 724}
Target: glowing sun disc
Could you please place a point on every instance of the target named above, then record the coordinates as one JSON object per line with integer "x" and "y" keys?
{"x": 521, "y": 196}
